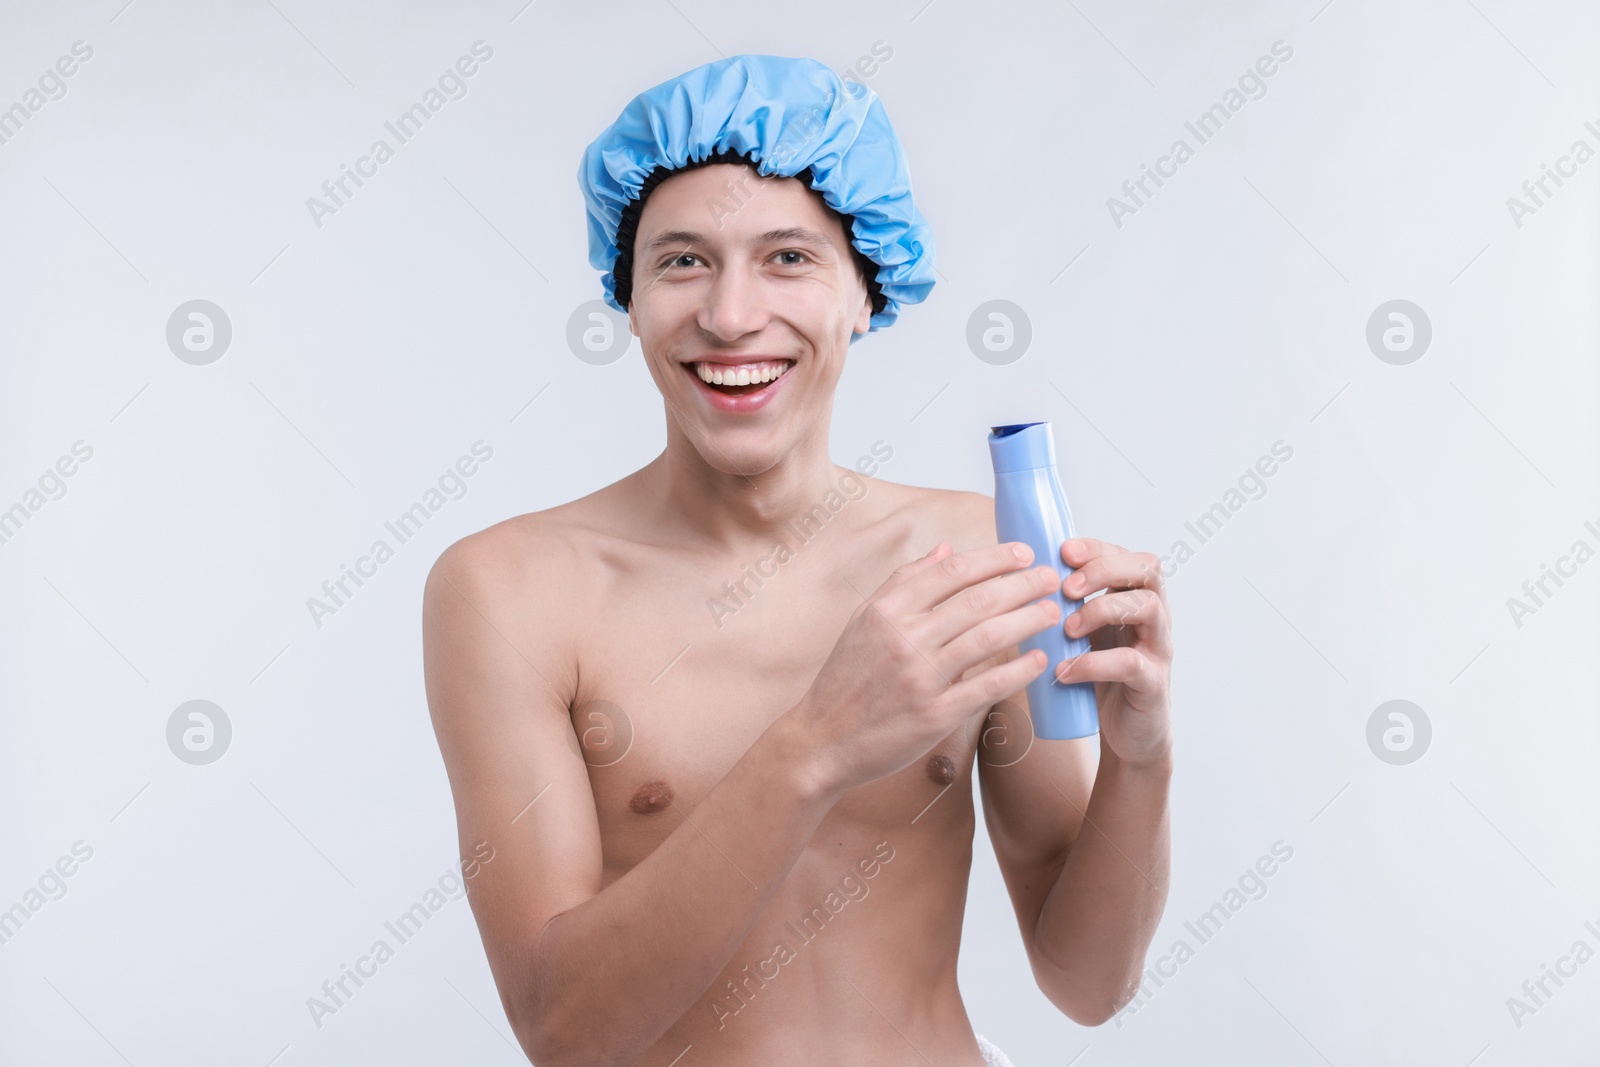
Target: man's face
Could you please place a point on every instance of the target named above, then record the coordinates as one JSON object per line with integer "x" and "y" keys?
{"x": 720, "y": 273}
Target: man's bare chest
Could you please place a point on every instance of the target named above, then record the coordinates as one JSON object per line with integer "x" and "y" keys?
{"x": 672, "y": 693}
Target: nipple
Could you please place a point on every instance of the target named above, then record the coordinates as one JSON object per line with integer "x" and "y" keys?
{"x": 942, "y": 770}
{"x": 651, "y": 797}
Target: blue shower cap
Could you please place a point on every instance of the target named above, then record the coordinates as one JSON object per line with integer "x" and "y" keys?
{"x": 787, "y": 115}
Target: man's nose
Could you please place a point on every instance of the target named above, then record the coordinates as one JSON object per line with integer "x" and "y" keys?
{"x": 734, "y": 305}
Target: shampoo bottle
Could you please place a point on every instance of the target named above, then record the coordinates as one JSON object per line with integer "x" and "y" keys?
{"x": 1030, "y": 507}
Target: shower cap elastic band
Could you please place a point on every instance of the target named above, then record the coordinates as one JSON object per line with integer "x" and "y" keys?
{"x": 786, "y": 115}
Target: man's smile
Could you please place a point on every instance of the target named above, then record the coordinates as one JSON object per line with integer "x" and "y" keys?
{"x": 739, "y": 385}
{"x": 714, "y": 372}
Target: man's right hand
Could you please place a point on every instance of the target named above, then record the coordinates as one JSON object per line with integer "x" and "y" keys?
{"x": 892, "y": 687}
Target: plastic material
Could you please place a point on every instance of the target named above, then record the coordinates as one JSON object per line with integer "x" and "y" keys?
{"x": 789, "y": 114}
{"x": 1029, "y": 506}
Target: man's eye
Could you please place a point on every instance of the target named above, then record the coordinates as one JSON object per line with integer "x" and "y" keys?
{"x": 677, "y": 261}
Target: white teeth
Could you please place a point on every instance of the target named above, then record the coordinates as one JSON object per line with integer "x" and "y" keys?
{"x": 717, "y": 374}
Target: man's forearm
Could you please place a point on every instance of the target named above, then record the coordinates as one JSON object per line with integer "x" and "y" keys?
{"x": 612, "y": 974}
{"x": 1101, "y": 913}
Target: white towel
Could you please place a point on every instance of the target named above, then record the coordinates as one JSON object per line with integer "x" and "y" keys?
{"x": 992, "y": 1056}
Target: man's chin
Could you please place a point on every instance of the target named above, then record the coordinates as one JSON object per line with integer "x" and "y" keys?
{"x": 743, "y": 452}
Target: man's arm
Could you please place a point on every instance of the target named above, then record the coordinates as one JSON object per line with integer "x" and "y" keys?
{"x": 1085, "y": 857}
{"x": 1085, "y": 853}
{"x": 587, "y": 976}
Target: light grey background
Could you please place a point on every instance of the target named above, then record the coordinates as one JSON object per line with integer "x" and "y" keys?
{"x": 1170, "y": 353}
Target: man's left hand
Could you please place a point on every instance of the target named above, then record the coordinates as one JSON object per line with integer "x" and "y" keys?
{"x": 1130, "y": 641}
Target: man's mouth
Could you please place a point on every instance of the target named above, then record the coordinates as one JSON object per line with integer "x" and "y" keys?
{"x": 743, "y": 379}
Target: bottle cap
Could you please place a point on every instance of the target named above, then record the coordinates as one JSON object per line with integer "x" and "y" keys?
{"x": 1021, "y": 446}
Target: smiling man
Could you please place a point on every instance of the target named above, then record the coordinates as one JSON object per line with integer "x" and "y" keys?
{"x": 750, "y": 843}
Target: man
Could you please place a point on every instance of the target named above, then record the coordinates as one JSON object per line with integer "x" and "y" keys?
{"x": 743, "y": 836}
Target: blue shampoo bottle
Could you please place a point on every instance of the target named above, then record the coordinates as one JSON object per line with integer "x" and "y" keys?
{"x": 1030, "y": 507}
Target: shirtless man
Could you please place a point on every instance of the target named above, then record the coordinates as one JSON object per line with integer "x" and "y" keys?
{"x": 746, "y": 838}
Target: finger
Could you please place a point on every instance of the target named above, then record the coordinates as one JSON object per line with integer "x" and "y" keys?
{"x": 906, "y": 571}
{"x": 945, "y": 577}
{"x": 1121, "y": 570}
{"x": 1139, "y": 609}
{"x": 1126, "y": 665}
{"x": 993, "y": 635}
{"x": 986, "y": 600}
{"x": 1080, "y": 550}
{"x": 989, "y": 687}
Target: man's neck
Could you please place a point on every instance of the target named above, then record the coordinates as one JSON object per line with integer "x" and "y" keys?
{"x": 725, "y": 511}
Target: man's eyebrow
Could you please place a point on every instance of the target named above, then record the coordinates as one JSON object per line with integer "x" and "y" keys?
{"x": 802, "y": 234}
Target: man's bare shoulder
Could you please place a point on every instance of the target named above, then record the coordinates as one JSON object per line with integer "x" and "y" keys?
{"x": 963, "y": 518}
{"x": 519, "y": 584}
{"x": 538, "y": 550}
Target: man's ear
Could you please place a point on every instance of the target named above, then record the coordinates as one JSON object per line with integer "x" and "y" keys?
{"x": 864, "y": 319}
{"x": 632, "y": 325}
